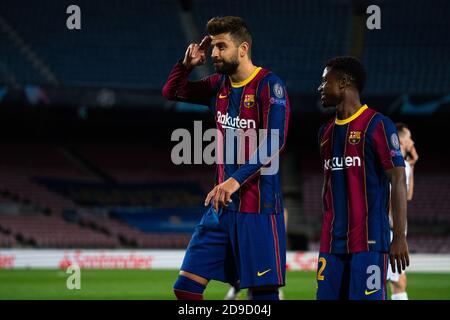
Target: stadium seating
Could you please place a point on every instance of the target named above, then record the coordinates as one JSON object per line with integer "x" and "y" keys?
{"x": 120, "y": 43}
{"x": 35, "y": 213}
{"x": 133, "y": 45}
{"x": 132, "y": 236}
{"x": 7, "y": 240}
{"x": 53, "y": 232}
{"x": 429, "y": 244}
{"x": 140, "y": 162}
{"x": 22, "y": 162}
{"x": 408, "y": 54}
{"x": 13, "y": 67}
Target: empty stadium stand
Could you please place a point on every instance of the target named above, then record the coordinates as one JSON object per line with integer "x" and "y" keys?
{"x": 120, "y": 43}
{"x": 134, "y": 45}
{"x": 44, "y": 202}
{"x": 408, "y": 54}
{"x": 53, "y": 232}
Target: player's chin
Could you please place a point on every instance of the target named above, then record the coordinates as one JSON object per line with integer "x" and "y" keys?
{"x": 218, "y": 67}
{"x": 326, "y": 103}
{"x": 224, "y": 72}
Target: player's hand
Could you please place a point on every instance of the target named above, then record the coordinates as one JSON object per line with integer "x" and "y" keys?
{"x": 196, "y": 53}
{"x": 398, "y": 253}
{"x": 221, "y": 194}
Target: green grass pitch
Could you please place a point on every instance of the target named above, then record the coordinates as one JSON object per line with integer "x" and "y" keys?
{"x": 157, "y": 284}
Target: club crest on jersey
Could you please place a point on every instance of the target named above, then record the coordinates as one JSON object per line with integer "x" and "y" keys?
{"x": 249, "y": 100}
{"x": 354, "y": 137}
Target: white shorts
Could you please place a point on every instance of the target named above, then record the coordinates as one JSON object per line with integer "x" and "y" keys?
{"x": 392, "y": 276}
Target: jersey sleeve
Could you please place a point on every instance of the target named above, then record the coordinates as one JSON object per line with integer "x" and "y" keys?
{"x": 179, "y": 88}
{"x": 387, "y": 144}
{"x": 319, "y": 138}
{"x": 320, "y": 134}
{"x": 275, "y": 105}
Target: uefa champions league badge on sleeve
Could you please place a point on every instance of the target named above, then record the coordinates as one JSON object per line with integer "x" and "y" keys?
{"x": 396, "y": 145}
{"x": 394, "y": 141}
{"x": 278, "y": 90}
{"x": 396, "y": 152}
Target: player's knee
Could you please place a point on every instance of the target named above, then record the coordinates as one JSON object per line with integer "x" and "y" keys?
{"x": 403, "y": 281}
{"x": 264, "y": 293}
{"x": 400, "y": 285}
{"x": 188, "y": 289}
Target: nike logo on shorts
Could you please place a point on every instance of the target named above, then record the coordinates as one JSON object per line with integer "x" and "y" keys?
{"x": 370, "y": 292}
{"x": 260, "y": 274}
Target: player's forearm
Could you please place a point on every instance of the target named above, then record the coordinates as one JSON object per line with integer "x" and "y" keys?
{"x": 245, "y": 172}
{"x": 398, "y": 202}
{"x": 414, "y": 155}
{"x": 411, "y": 184}
{"x": 177, "y": 82}
{"x": 262, "y": 156}
{"x": 269, "y": 149}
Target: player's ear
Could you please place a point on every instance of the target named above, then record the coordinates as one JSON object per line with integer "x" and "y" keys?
{"x": 243, "y": 49}
{"x": 344, "y": 82}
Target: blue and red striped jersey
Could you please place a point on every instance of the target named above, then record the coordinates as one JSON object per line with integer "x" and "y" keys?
{"x": 259, "y": 102}
{"x": 356, "y": 152}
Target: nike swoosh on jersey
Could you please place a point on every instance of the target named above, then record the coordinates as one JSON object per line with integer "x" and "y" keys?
{"x": 221, "y": 96}
{"x": 321, "y": 145}
{"x": 260, "y": 274}
{"x": 370, "y": 292}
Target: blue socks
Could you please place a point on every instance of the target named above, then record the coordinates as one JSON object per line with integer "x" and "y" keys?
{"x": 187, "y": 289}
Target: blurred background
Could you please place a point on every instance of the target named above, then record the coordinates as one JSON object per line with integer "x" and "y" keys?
{"x": 85, "y": 134}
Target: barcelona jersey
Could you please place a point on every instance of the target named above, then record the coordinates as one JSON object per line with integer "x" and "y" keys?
{"x": 356, "y": 152}
{"x": 259, "y": 102}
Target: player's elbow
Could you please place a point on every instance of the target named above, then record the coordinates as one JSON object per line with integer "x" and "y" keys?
{"x": 409, "y": 196}
{"x": 168, "y": 93}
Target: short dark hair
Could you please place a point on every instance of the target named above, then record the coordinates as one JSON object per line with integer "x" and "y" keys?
{"x": 236, "y": 26}
{"x": 401, "y": 127}
{"x": 351, "y": 67}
